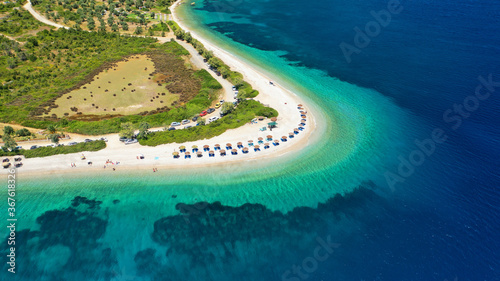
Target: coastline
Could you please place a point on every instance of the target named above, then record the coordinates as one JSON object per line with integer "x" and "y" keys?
{"x": 160, "y": 157}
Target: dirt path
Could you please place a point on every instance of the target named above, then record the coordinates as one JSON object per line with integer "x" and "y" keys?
{"x": 41, "y": 18}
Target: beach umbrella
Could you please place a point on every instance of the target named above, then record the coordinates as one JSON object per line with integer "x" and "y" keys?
{"x": 303, "y": 120}
{"x": 199, "y": 154}
{"x": 260, "y": 138}
{"x": 276, "y": 141}
{"x": 188, "y": 153}
{"x": 175, "y": 153}
{"x": 296, "y": 130}
{"x": 182, "y": 147}
{"x": 302, "y": 112}
{"x": 223, "y": 152}
{"x": 269, "y": 137}
{"x": 303, "y": 116}
{"x": 290, "y": 135}
{"x": 266, "y": 145}
{"x": 239, "y": 143}
{"x": 234, "y": 150}
{"x": 217, "y": 146}
{"x": 245, "y": 148}
{"x": 274, "y": 119}
{"x": 250, "y": 141}
{"x": 299, "y": 104}
{"x": 194, "y": 146}
{"x": 206, "y": 146}
{"x": 211, "y": 152}
{"x": 228, "y": 144}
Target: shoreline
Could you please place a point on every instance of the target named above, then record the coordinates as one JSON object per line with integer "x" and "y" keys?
{"x": 160, "y": 157}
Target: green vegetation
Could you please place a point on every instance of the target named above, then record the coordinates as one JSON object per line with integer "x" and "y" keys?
{"x": 32, "y": 82}
{"x": 18, "y": 22}
{"x": 234, "y": 77}
{"x": 244, "y": 113}
{"x": 49, "y": 151}
{"x": 112, "y": 15}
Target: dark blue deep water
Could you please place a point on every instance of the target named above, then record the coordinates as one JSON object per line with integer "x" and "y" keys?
{"x": 441, "y": 223}
{"x": 444, "y": 222}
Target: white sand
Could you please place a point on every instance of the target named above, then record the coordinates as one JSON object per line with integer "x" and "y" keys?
{"x": 277, "y": 97}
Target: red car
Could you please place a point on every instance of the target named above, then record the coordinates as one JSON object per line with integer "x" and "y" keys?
{"x": 203, "y": 113}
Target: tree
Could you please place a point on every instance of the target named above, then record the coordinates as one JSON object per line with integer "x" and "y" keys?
{"x": 127, "y": 130}
{"x": 23, "y": 132}
{"x": 242, "y": 94}
{"x": 138, "y": 30}
{"x": 8, "y": 130}
{"x": 9, "y": 143}
{"x": 215, "y": 62}
{"x": 226, "y": 108}
{"x": 52, "y": 129}
{"x": 143, "y": 130}
{"x": 114, "y": 27}
{"x": 54, "y": 138}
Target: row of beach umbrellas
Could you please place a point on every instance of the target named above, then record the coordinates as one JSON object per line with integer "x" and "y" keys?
{"x": 256, "y": 147}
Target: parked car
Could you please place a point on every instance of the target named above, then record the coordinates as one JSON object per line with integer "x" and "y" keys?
{"x": 104, "y": 139}
{"x": 217, "y": 105}
{"x": 203, "y": 113}
{"x": 123, "y": 139}
{"x": 51, "y": 145}
{"x": 87, "y": 140}
{"x": 212, "y": 119}
{"x": 131, "y": 141}
{"x": 234, "y": 88}
{"x": 194, "y": 119}
{"x": 171, "y": 129}
{"x": 34, "y": 147}
{"x": 185, "y": 121}
{"x": 72, "y": 143}
{"x": 173, "y": 124}
{"x": 210, "y": 110}
{"x": 18, "y": 147}
{"x": 221, "y": 102}
{"x": 188, "y": 126}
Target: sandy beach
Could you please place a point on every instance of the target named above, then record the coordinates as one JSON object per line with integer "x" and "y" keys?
{"x": 125, "y": 157}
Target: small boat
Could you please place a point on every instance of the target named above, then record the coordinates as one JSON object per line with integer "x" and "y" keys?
{"x": 193, "y": 3}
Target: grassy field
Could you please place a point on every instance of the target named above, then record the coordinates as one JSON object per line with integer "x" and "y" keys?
{"x": 129, "y": 87}
{"x": 16, "y": 21}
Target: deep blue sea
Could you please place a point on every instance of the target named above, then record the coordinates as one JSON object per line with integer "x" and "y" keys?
{"x": 428, "y": 72}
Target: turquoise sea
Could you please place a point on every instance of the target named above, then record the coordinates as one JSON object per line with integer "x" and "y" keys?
{"x": 328, "y": 212}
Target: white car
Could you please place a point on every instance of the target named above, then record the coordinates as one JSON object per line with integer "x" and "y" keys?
{"x": 212, "y": 119}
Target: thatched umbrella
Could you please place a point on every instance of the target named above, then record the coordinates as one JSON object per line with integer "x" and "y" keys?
{"x": 182, "y": 147}
{"x": 266, "y": 145}
{"x": 222, "y": 152}
{"x": 245, "y": 150}
{"x": 211, "y": 153}
{"x": 283, "y": 138}
{"x": 301, "y": 125}
{"x": 256, "y": 147}
{"x": 274, "y": 119}
{"x": 217, "y": 146}
{"x": 299, "y": 104}
{"x": 276, "y": 141}
{"x": 229, "y": 145}
{"x": 239, "y": 143}
{"x": 291, "y": 135}
{"x": 194, "y": 146}
{"x": 175, "y": 153}
{"x": 206, "y": 147}
{"x": 302, "y": 112}
{"x": 188, "y": 153}
{"x": 303, "y": 120}
{"x": 296, "y": 130}
{"x": 199, "y": 153}
{"x": 234, "y": 151}
{"x": 269, "y": 137}
{"x": 303, "y": 116}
